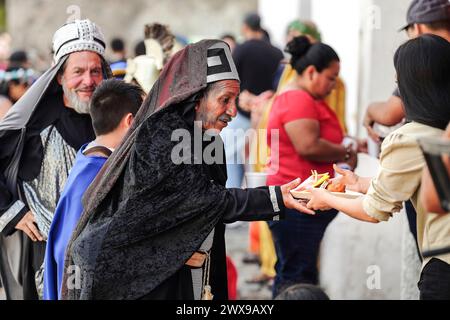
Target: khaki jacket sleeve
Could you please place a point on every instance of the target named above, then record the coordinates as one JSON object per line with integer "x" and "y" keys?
{"x": 398, "y": 179}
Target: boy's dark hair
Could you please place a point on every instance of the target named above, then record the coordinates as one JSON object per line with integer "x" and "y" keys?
{"x": 111, "y": 101}
{"x": 117, "y": 44}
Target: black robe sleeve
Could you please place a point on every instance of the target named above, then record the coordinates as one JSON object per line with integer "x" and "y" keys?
{"x": 264, "y": 203}
{"x": 12, "y": 209}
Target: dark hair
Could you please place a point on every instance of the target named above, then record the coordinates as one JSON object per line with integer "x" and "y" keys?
{"x": 439, "y": 25}
{"x": 229, "y": 36}
{"x": 15, "y": 75}
{"x": 139, "y": 49}
{"x": 302, "y": 291}
{"x": 18, "y": 59}
{"x": 111, "y": 101}
{"x": 304, "y": 54}
{"x": 253, "y": 21}
{"x": 423, "y": 75}
{"x": 117, "y": 44}
{"x": 266, "y": 35}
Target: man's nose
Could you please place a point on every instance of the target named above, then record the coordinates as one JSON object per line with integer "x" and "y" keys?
{"x": 232, "y": 110}
{"x": 88, "y": 80}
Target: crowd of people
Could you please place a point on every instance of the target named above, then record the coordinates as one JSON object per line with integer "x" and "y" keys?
{"x": 118, "y": 176}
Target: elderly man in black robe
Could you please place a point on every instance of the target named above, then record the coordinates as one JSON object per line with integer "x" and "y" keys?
{"x": 153, "y": 225}
{"x": 39, "y": 139}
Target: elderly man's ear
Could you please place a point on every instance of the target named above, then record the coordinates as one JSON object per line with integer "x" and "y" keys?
{"x": 59, "y": 78}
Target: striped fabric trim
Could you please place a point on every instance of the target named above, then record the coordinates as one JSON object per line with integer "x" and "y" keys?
{"x": 273, "y": 198}
{"x": 10, "y": 214}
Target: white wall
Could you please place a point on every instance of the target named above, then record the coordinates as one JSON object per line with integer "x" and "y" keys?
{"x": 339, "y": 23}
{"x": 276, "y": 15}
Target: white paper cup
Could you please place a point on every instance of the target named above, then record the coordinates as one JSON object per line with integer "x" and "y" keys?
{"x": 255, "y": 179}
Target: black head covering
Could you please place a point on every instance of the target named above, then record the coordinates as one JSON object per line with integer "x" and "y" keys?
{"x": 143, "y": 215}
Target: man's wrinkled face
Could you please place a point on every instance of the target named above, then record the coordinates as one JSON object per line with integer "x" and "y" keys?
{"x": 82, "y": 74}
{"x": 218, "y": 107}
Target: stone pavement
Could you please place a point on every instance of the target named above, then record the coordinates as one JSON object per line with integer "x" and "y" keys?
{"x": 237, "y": 243}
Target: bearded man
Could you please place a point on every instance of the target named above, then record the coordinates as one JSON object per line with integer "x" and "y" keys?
{"x": 40, "y": 137}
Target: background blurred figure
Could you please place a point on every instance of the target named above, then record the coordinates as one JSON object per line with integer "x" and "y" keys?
{"x": 256, "y": 62}
{"x": 310, "y": 138}
{"x": 19, "y": 59}
{"x": 14, "y": 82}
{"x": 144, "y": 69}
{"x": 5, "y": 49}
{"x": 139, "y": 49}
{"x": 118, "y": 62}
{"x": 303, "y": 292}
{"x": 259, "y": 150}
{"x": 230, "y": 39}
{"x": 423, "y": 17}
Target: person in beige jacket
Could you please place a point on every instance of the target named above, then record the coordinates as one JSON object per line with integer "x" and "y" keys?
{"x": 423, "y": 74}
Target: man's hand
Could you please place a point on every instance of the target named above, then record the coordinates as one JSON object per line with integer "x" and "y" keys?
{"x": 318, "y": 200}
{"x": 28, "y": 225}
{"x": 348, "y": 178}
{"x": 289, "y": 201}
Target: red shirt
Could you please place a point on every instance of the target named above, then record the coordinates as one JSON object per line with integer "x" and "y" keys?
{"x": 288, "y": 165}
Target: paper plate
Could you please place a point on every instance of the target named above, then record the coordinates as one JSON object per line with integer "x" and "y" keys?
{"x": 306, "y": 195}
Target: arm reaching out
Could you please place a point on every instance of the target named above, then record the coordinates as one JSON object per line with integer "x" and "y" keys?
{"x": 323, "y": 200}
{"x": 352, "y": 181}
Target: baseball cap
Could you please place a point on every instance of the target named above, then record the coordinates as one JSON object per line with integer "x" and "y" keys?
{"x": 427, "y": 11}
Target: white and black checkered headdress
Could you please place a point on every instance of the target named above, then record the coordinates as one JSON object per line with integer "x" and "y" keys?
{"x": 79, "y": 35}
{"x": 220, "y": 63}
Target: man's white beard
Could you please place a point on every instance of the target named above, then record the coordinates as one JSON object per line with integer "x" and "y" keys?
{"x": 74, "y": 101}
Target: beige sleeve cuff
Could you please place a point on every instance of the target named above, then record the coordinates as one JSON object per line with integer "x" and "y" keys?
{"x": 370, "y": 207}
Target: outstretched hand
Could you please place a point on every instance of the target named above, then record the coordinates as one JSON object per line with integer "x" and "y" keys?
{"x": 290, "y": 202}
{"x": 348, "y": 178}
{"x": 318, "y": 200}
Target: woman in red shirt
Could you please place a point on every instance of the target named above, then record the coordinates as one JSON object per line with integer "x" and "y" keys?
{"x": 309, "y": 138}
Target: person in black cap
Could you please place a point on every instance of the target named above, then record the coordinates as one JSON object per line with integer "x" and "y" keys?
{"x": 423, "y": 17}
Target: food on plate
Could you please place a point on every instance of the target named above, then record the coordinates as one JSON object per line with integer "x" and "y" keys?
{"x": 323, "y": 181}
{"x": 335, "y": 186}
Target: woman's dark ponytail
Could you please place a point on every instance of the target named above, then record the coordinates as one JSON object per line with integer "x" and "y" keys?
{"x": 304, "y": 54}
